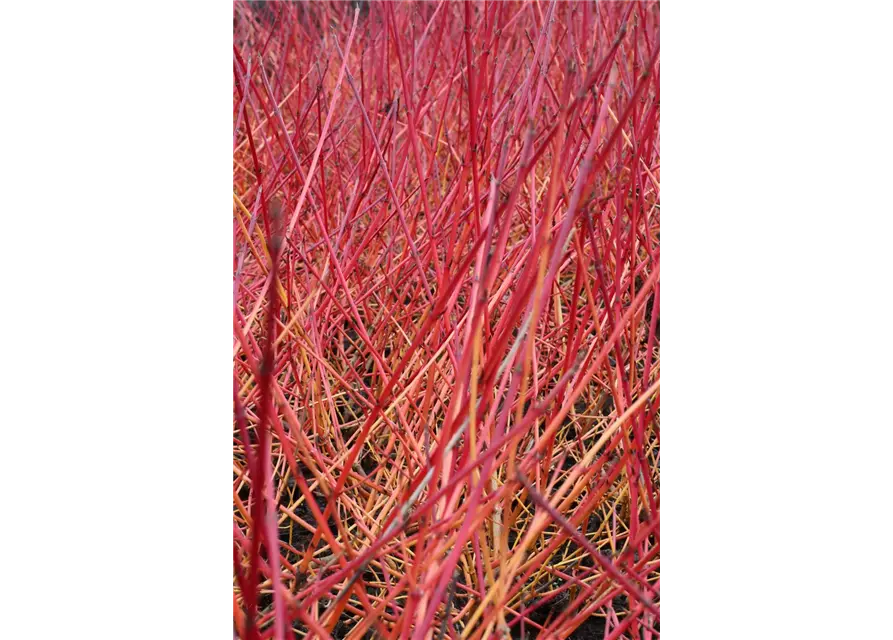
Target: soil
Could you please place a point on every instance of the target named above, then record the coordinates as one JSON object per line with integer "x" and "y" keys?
{"x": 591, "y": 629}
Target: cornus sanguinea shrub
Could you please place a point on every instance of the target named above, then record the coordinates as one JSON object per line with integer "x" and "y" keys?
{"x": 446, "y": 292}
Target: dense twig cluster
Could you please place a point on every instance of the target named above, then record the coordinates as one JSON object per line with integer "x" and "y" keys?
{"x": 446, "y": 319}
